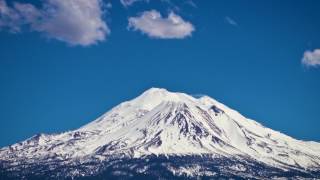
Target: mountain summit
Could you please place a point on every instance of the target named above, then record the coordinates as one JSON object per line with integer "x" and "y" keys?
{"x": 164, "y": 134}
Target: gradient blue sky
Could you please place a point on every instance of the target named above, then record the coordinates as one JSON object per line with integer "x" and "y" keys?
{"x": 252, "y": 65}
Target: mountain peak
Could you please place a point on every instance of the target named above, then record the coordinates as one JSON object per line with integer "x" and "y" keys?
{"x": 156, "y": 90}
{"x": 159, "y": 122}
{"x": 154, "y": 96}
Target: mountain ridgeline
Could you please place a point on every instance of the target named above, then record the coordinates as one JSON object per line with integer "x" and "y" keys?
{"x": 162, "y": 134}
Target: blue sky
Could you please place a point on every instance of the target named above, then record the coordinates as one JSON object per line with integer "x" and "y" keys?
{"x": 62, "y": 69}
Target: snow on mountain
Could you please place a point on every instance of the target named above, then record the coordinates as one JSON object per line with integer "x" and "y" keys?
{"x": 160, "y": 122}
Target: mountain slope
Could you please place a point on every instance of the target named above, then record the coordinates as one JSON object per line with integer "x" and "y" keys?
{"x": 159, "y": 124}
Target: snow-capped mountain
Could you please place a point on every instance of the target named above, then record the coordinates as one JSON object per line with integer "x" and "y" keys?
{"x": 161, "y": 133}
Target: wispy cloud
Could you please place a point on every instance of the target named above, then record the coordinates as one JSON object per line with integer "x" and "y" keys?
{"x": 231, "y": 21}
{"x": 156, "y": 26}
{"x": 12, "y": 18}
{"x": 191, "y": 3}
{"x": 127, "y": 3}
{"x": 77, "y": 22}
{"x": 311, "y": 58}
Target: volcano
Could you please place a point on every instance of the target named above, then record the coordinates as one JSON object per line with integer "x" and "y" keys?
{"x": 163, "y": 135}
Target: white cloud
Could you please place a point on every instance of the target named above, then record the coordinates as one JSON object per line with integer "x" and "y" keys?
{"x": 77, "y": 22}
{"x": 156, "y": 26}
{"x": 311, "y": 58}
{"x": 231, "y": 21}
{"x": 13, "y": 18}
